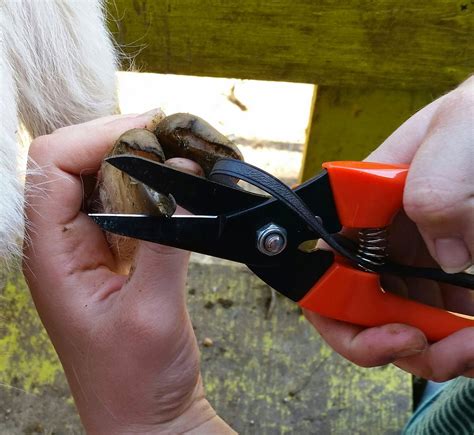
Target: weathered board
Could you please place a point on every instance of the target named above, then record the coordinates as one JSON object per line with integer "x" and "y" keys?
{"x": 395, "y": 44}
{"x": 263, "y": 375}
{"x": 347, "y": 124}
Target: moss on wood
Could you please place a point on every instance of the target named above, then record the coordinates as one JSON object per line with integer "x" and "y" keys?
{"x": 388, "y": 43}
{"x": 347, "y": 124}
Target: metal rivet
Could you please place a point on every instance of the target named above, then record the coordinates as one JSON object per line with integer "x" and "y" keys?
{"x": 271, "y": 239}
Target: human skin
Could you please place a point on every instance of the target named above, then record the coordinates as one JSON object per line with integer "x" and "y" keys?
{"x": 125, "y": 341}
{"x": 438, "y": 143}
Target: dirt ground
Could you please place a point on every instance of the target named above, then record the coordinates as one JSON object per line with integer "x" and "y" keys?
{"x": 264, "y": 372}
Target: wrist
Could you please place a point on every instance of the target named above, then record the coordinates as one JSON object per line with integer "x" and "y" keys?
{"x": 199, "y": 417}
{"x": 213, "y": 426}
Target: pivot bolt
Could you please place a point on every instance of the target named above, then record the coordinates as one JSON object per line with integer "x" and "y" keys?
{"x": 271, "y": 239}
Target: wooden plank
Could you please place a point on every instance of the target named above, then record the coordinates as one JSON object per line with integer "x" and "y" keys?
{"x": 263, "y": 375}
{"x": 357, "y": 43}
{"x": 347, "y": 124}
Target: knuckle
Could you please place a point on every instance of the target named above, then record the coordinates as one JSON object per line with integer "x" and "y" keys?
{"x": 441, "y": 377}
{"x": 461, "y": 99}
{"x": 469, "y": 373}
{"x": 63, "y": 129}
{"x": 371, "y": 362}
{"x": 469, "y": 82}
{"x": 39, "y": 146}
{"x": 432, "y": 200}
{"x": 465, "y": 93}
{"x": 452, "y": 362}
{"x": 365, "y": 359}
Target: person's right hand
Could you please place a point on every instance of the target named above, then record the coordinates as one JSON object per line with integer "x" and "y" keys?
{"x": 125, "y": 341}
{"x": 438, "y": 143}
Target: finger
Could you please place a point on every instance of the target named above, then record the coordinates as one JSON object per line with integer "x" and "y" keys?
{"x": 60, "y": 159}
{"x": 439, "y": 193}
{"x": 469, "y": 374}
{"x": 369, "y": 347}
{"x": 154, "y": 116}
{"x": 443, "y": 128}
{"x": 97, "y": 121}
{"x": 458, "y": 299}
{"x": 56, "y": 227}
{"x": 403, "y": 143}
{"x": 186, "y": 165}
{"x": 79, "y": 149}
{"x": 444, "y": 360}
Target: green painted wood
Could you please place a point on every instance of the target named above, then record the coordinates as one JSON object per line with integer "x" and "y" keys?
{"x": 263, "y": 375}
{"x": 347, "y": 124}
{"x": 397, "y": 44}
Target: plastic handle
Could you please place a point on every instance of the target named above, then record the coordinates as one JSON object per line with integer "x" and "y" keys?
{"x": 368, "y": 195}
{"x": 354, "y": 296}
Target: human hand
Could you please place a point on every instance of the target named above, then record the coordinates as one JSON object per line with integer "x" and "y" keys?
{"x": 125, "y": 341}
{"x": 438, "y": 143}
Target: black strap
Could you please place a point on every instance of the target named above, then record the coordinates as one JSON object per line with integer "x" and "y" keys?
{"x": 225, "y": 168}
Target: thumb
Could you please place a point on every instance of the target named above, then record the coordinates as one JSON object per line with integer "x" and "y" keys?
{"x": 439, "y": 191}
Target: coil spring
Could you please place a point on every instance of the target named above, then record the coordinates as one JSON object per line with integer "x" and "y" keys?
{"x": 373, "y": 244}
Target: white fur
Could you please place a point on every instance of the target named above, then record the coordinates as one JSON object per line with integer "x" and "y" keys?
{"x": 57, "y": 67}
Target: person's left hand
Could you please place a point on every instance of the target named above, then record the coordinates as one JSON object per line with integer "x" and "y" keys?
{"x": 436, "y": 230}
{"x": 125, "y": 341}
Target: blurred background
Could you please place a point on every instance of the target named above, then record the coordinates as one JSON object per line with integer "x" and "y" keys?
{"x": 268, "y": 120}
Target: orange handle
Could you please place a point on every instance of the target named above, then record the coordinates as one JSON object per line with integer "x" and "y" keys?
{"x": 368, "y": 195}
{"x": 354, "y": 296}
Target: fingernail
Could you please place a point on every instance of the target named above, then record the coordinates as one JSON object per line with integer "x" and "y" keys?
{"x": 149, "y": 113}
{"x": 186, "y": 166}
{"x": 408, "y": 352}
{"x": 452, "y": 254}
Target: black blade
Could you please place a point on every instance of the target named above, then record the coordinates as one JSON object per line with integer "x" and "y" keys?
{"x": 210, "y": 235}
{"x": 292, "y": 272}
{"x": 196, "y": 194}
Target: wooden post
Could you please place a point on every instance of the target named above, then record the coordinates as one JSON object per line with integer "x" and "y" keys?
{"x": 348, "y": 123}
